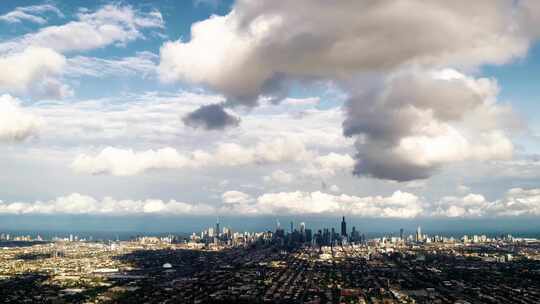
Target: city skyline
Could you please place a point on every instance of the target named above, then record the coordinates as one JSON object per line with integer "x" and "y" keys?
{"x": 296, "y": 266}
{"x": 309, "y": 235}
{"x": 376, "y": 229}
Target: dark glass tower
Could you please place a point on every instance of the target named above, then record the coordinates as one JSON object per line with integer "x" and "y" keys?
{"x": 343, "y": 227}
{"x": 217, "y": 227}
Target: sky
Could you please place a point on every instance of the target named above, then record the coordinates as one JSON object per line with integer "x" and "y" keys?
{"x": 163, "y": 115}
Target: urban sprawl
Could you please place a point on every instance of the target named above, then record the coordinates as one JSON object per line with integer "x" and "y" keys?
{"x": 286, "y": 265}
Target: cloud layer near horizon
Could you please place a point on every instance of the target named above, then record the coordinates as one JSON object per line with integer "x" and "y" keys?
{"x": 516, "y": 202}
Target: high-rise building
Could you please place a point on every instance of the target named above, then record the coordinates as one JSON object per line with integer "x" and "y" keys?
{"x": 326, "y": 237}
{"x": 355, "y": 235}
{"x": 309, "y": 236}
{"x": 343, "y": 227}
{"x": 401, "y": 234}
{"x": 292, "y": 226}
{"x": 418, "y": 233}
{"x": 217, "y": 227}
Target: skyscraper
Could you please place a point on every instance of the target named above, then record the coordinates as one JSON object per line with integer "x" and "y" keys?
{"x": 401, "y": 234}
{"x": 217, "y": 226}
{"x": 343, "y": 227}
{"x": 309, "y": 236}
{"x": 418, "y": 234}
{"x": 292, "y": 226}
{"x": 279, "y": 232}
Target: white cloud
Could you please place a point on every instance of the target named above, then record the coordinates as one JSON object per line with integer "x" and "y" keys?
{"x": 124, "y": 162}
{"x": 516, "y": 202}
{"x": 110, "y": 24}
{"x": 236, "y": 197}
{"x": 399, "y": 204}
{"x": 30, "y": 13}
{"x": 32, "y": 70}
{"x": 469, "y": 205}
{"x": 127, "y": 162}
{"x": 81, "y": 204}
{"x": 280, "y": 176}
{"x": 329, "y": 165}
{"x": 152, "y": 120}
{"x": 334, "y": 188}
{"x": 16, "y": 123}
{"x": 335, "y": 161}
{"x": 236, "y": 202}
{"x": 143, "y": 64}
{"x": 320, "y": 128}
{"x": 278, "y": 150}
{"x": 522, "y": 168}
{"x": 281, "y": 150}
{"x": 139, "y": 121}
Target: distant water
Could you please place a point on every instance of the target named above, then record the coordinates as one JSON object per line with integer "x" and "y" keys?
{"x": 87, "y": 235}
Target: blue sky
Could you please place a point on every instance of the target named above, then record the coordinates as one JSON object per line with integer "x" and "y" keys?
{"x": 120, "y": 110}
{"x": 519, "y": 87}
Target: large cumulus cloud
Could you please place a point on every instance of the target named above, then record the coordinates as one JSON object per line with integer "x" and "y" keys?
{"x": 419, "y": 121}
{"x": 261, "y": 47}
{"x": 242, "y": 53}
